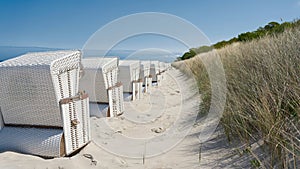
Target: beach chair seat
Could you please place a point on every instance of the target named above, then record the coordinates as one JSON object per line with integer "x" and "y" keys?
{"x": 42, "y": 111}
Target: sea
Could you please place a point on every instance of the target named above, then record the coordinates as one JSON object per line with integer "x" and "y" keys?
{"x": 8, "y": 52}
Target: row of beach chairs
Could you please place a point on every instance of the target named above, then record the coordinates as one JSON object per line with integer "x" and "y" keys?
{"x": 46, "y": 96}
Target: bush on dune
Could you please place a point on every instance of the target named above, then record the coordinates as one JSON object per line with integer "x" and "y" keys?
{"x": 270, "y": 28}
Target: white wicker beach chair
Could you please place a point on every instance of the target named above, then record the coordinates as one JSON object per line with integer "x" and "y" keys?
{"x": 129, "y": 77}
{"x": 145, "y": 75}
{"x": 154, "y": 71}
{"x": 41, "y": 109}
{"x": 100, "y": 81}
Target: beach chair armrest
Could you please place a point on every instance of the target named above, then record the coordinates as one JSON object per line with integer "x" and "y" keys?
{"x": 76, "y": 125}
{"x": 79, "y": 96}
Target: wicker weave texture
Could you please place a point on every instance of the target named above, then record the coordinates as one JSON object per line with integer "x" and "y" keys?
{"x": 120, "y": 101}
{"x": 154, "y": 70}
{"x": 37, "y": 141}
{"x": 42, "y": 58}
{"x": 76, "y": 124}
{"x": 145, "y": 69}
{"x": 148, "y": 84}
{"x": 129, "y": 72}
{"x": 112, "y": 105}
{"x": 99, "y": 75}
{"x": 116, "y": 104}
{"x": 139, "y": 89}
{"x": 29, "y": 88}
{"x": 93, "y": 82}
{"x": 107, "y": 67}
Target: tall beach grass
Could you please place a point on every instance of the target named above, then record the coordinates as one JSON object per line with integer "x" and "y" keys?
{"x": 263, "y": 94}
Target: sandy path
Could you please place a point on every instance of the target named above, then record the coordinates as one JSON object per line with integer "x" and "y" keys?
{"x": 130, "y": 141}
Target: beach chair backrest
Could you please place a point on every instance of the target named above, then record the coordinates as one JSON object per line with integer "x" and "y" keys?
{"x": 129, "y": 72}
{"x": 100, "y": 74}
{"x": 145, "y": 69}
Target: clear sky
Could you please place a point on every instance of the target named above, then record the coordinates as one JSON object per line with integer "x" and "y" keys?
{"x": 69, "y": 23}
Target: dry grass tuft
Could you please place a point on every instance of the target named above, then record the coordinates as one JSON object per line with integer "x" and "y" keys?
{"x": 263, "y": 97}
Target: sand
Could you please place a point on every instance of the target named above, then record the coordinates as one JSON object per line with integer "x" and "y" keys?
{"x": 158, "y": 131}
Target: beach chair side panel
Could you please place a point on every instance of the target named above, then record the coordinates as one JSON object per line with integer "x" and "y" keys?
{"x": 75, "y": 114}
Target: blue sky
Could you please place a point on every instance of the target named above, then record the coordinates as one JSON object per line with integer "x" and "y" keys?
{"x": 69, "y": 23}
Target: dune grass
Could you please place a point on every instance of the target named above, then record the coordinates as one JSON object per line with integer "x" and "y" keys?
{"x": 263, "y": 94}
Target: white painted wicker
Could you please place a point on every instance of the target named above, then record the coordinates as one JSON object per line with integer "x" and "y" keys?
{"x": 29, "y": 86}
{"x": 148, "y": 84}
{"x": 99, "y": 75}
{"x": 154, "y": 70}
{"x": 100, "y": 81}
{"x": 145, "y": 69}
{"x": 47, "y": 142}
{"x": 145, "y": 74}
{"x": 129, "y": 72}
{"x": 119, "y": 97}
{"x": 116, "y": 106}
{"x": 75, "y": 115}
{"x": 139, "y": 87}
{"x": 32, "y": 88}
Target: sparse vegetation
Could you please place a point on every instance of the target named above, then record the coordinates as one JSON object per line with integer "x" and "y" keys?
{"x": 263, "y": 97}
{"x": 270, "y": 28}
